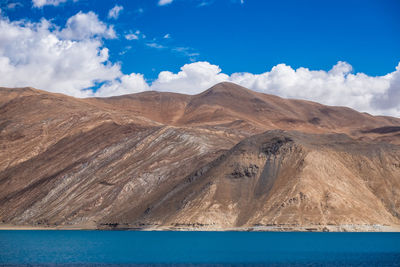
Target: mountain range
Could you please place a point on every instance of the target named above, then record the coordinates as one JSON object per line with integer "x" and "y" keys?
{"x": 225, "y": 159}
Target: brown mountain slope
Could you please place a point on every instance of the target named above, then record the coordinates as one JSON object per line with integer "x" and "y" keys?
{"x": 68, "y": 161}
{"x": 32, "y": 120}
{"x": 84, "y": 177}
{"x": 227, "y": 106}
{"x": 133, "y": 160}
{"x": 288, "y": 178}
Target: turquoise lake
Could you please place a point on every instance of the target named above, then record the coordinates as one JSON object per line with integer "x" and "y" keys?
{"x": 119, "y": 248}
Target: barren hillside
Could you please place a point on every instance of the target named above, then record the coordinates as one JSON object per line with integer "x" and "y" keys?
{"x": 226, "y": 158}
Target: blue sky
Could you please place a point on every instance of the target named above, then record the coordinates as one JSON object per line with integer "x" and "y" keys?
{"x": 249, "y": 37}
{"x": 145, "y": 38}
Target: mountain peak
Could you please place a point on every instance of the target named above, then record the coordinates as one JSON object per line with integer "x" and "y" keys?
{"x": 227, "y": 88}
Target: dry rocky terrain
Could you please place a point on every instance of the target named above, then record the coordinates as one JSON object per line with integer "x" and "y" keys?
{"x": 226, "y": 159}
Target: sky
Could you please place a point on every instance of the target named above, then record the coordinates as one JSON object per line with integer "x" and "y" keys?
{"x": 344, "y": 53}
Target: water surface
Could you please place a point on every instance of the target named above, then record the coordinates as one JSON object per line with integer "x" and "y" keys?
{"x": 88, "y": 248}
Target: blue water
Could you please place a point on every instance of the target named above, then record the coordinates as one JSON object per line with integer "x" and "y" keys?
{"x": 88, "y": 248}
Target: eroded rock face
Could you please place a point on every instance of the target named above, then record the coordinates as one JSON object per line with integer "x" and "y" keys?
{"x": 241, "y": 171}
{"x": 310, "y": 180}
{"x": 209, "y": 161}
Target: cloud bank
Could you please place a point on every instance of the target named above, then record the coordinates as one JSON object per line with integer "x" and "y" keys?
{"x": 73, "y": 60}
{"x": 67, "y": 60}
{"x": 338, "y": 86}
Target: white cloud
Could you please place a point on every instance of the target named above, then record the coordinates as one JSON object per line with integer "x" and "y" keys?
{"x": 40, "y": 55}
{"x": 390, "y": 98}
{"x": 134, "y": 36}
{"x": 335, "y": 87}
{"x": 131, "y": 36}
{"x": 187, "y": 52}
{"x": 204, "y": 3}
{"x": 191, "y": 79}
{"x": 86, "y": 25}
{"x": 114, "y": 12}
{"x": 164, "y": 2}
{"x": 13, "y": 5}
{"x": 41, "y": 3}
{"x": 155, "y": 45}
{"x": 125, "y": 50}
{"x": 127, "y": 84}
{"x": 338, "y": 86}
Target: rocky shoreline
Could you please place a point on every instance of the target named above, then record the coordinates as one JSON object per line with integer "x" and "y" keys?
{"x": 269, "y": 228}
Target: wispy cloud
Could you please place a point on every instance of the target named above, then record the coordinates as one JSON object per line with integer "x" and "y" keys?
{"x": 164, "y": 2}
{"x": 115, "y": 11}
{"x": 205, "y": 3}
{"x": 159, "y": 43}
{"x": 14, "y": 4}
{"x": 42, "y": 3}
{"x": 131, "y": 36}
{"x": 186, "y": 51}
{"x": 135, "y": 36}
{"x": 126, "y": 49}
{"x": 155, "y": 45}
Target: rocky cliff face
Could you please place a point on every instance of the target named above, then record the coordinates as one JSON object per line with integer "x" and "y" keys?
{"x": 210, "y": 161}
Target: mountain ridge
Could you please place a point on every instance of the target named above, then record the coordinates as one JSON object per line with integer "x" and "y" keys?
{"x": 131, "y": 162}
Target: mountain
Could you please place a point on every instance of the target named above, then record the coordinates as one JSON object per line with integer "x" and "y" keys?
{"x": 228, "y": 158}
